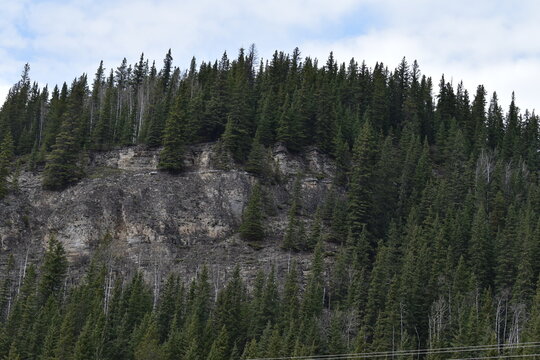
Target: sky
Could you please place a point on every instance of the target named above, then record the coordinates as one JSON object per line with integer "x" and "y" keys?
{"x": 489, "y": 42}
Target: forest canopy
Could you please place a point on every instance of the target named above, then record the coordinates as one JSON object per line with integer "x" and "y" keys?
{"x": 434, "y": 212}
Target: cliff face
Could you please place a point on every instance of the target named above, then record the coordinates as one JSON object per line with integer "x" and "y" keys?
{"x": 159, "y": 222}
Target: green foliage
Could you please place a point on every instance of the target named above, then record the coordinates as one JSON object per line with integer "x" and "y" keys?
{"x": 295, "y": 236}
{"x": 53, "y": 271}
{"x": 313, "y": 301}
{"x": 220, "y": 347}
{"x": 428, "y": 236}
{"x": 6, "y": 155}
{"x": 362, "y": 180}
{"x": 252, "y": 226}
{"x": 148, "y": 347}
{"x": 171, "y": 158}
{"x": 258, "y": 161}
{"x": 62, "y": 167}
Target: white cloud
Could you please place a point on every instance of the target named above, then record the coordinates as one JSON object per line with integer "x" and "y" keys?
{"x": 71, "y": 37}
{"x": 488, "y": 42}
{"x": 484, "y": 42}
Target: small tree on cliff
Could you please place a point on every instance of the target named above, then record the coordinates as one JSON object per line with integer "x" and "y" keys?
{"x": 252, "y": 228}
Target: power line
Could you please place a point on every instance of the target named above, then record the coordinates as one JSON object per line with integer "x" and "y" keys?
{"x": 498, "y": 357}
{"x": 422, "y": 352}
{"x": 425, "y": 351}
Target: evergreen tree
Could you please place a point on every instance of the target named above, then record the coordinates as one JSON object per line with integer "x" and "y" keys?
{"x": 148, "y": 347}
{"x": 252, "y": 228}
{"x": 171, "y": 157}
{"x": 533, "y": 326}
{"x": 257, "y": 161}
{"x": 62, "y": 167}
{"x": 102, "y": 130}
{"x": 362, "y": 181}
{"x": 313, "y": 301}
{"x": 6, "y": 154}
{"x": 342, "y": 155}
{"x": 53, "y": 271}
{"x": 481, "y": 249}
{"x": 220, "y": 347}
{"x": 230, "y": 311}
{"x": 293, "y": 237}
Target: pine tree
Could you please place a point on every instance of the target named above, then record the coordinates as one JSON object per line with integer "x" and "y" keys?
{"x": 380, "y": 280}
{"x": 335, "y": 337}
{"x": 510, "y": 145}
{"x": 343, "y": 158}
{"x": 6, "y": 155}
{"x": 292, "y": 239}
{"x": 220, "y": 347}
{"x": 67, "y": 336}
{"x": 160, "y": 109}
{"x": 290, "y": 304}
{"x": 165, "y": 314}
{"x": 53, "y": 271}
{"x": 252, "y": 227}
{"x": 313, "y": 301}
{"x": 532, "y": 331}
{"x": 62, "y": 167}
{"x": 378, "y": 108}
{"x": 13, "y": 354}
{"x": 289, "y": 131}
{"x": 239, "y": 128}
{"x": 171, "y": 158}
{"x": 481, "y": 249}
{"x": 495, "y": 124}
{"x": 257, "y": 161}
{"x": 250, "y": 351}
{"x": 88, "y": 344}
{"x": 230, "y": 312}
{"x": 325, "y": 118}
{"x": 362, "y": 181}
{"x": 176, "y": 345}
{"x": 148, "y": 347}
{"x": 102, "y": 130}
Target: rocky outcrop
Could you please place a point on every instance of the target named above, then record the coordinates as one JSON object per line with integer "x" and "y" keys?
{"x": 158, "y": 222}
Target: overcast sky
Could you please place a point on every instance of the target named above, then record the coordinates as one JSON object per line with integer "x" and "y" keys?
{"x": 490, "y": 42}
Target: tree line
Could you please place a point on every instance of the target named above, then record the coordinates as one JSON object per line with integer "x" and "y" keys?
{"x": 246, "y": 106}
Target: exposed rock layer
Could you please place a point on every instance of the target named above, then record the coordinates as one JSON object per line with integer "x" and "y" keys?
{"x": 159, "y": 222}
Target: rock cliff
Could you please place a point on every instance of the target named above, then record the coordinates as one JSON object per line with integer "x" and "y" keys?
{"x": 159, "y": 222}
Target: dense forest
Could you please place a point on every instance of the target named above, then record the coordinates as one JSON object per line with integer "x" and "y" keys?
{"x": 434, "y": 214}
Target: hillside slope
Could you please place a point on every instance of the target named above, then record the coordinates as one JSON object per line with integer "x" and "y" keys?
{"x": 155, "y": 219}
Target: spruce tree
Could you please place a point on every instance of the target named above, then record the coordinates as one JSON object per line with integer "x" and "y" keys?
{"x": 6, "y": 155}
{"x": 290, "y": 304}
{"x": 220, "y": 347}
{"x": 171, "y": 158}
{"x": 53, "y": 271}
{"x": 532, "y": 331}
{"x": 102, "y": 130}
{"x": 257, "y": 161}
{"x": 252, "y": 227}
{"x": 481, "y": 249}
{"x": 62, "y": 167}
{"x": 362, "y": 181}
{"x": 148, "y": 347}
{"x": 313, "y": 301}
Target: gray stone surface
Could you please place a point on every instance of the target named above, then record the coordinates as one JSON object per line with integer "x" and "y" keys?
{"x": 160, "y": 222}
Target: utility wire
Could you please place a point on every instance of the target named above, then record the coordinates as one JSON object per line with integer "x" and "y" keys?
{"x": 414, "y": 353}
{"x": 425, "y": 351}
{"x": 498, "y": 357}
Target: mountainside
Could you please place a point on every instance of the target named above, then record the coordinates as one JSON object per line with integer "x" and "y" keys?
{"x": 160, "y": 222}
{"x": 228, "y": 212}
